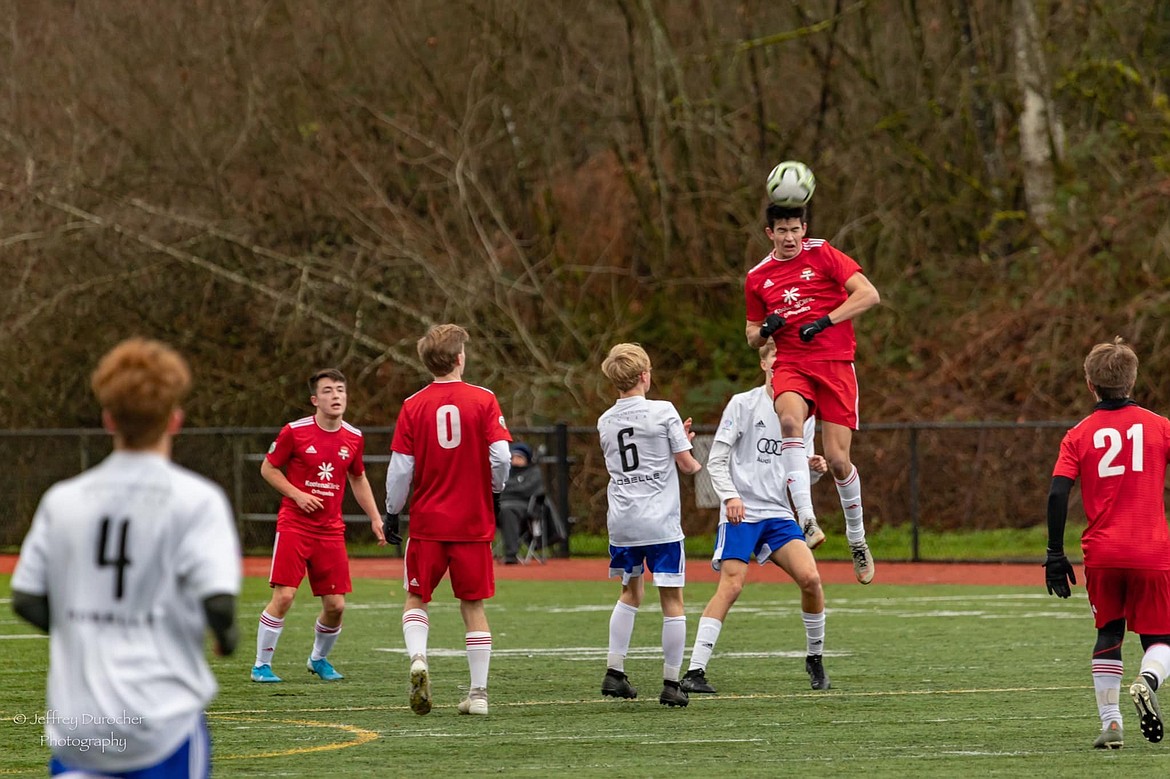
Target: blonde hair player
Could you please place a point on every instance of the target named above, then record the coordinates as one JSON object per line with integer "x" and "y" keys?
{"x": 645, "y": 444}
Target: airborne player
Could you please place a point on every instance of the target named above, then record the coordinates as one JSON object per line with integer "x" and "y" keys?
{"x": 803, "y": 296}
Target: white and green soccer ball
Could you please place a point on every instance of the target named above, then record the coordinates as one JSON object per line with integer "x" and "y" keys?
{"x": 791, "y": 183}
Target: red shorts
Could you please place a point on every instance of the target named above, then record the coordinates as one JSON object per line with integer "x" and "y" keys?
{"x": 829, "y": 386}
{"x": 325, "y": 560}
{"x": 1140, "y": 596}
{"x": 473, "y": 576}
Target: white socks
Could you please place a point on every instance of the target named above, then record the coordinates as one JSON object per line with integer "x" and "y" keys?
{"x": 1107, "y": 686}
{"x": 325, "y": 638}
{"x": 814, "y": 632}
{"x": 621, "y": 628}
{"x": 794, "y": 458}
{"x": 674, "y": 639}
{"x": 416, "y": 628}
{"x": 266, "y": 637}
{"x": 849, "y": 491}
{"x": 705, "y": 639}
{"x": 479, "y": 656}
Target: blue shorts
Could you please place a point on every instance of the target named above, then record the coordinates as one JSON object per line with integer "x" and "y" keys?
{"x": 666, "y": 561}
{"x": 192, "y": 760}
{"x": 754, "y": 539}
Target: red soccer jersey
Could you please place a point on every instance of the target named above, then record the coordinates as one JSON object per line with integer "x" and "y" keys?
{"x": 802, "y": 290}
{"x": 447, "y": 427}
{"x": 319, "y": 462}
{"x": 1120, "y": 455}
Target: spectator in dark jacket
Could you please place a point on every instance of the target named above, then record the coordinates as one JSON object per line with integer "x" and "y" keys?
{"x": 524, "y": 481}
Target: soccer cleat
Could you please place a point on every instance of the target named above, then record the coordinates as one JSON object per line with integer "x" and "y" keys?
{"x": 475, "y": 702}
{"x": 1147, "y": 707}
{"x": 863, "y": 567}
{"x": 263, "y": 674}
{"x": 420, "y": 686}
{"x": 673, "y": 694}
{"x": 324, "y": 669}
{"x": 695, "y": 680}
{"x": 1111, "y": 737}
{"x": 813, "y": 535}
{"x": 815, "y": 666}
{"x": 617, "y": 685}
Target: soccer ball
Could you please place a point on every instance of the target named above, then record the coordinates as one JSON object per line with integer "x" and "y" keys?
{"x": 791, "y": 183}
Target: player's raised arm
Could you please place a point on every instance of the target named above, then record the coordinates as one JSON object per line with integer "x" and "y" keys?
{"x": 758, "y": 333}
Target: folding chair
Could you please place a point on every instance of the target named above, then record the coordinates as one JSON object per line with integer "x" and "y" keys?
{"x": 535, "y": 538}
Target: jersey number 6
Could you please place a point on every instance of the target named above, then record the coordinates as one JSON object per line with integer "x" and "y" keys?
{"x": 627, "y": 451}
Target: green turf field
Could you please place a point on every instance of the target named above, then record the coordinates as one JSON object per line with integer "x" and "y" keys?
{"x": 927, "y": 681}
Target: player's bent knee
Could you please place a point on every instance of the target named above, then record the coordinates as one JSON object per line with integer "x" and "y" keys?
{"x": 1109, "y": 640}
{"x": 809, "y": 582}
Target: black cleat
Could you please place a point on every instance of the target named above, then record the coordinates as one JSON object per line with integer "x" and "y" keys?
{"x": 617, "y": 685}
{"x": 672, "y": 694}
{"x": 815, "y": 667}
{"x": 695, "y": 680}
{"x": 1146, "y": 700}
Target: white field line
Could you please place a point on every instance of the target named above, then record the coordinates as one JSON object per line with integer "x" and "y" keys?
{"x": 822, "y": 695}
{"x": 593, "y": 653}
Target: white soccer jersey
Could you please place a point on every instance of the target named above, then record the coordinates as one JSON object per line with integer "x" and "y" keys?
{"x": 639, "y": 439}
{"x": 126, "y": 553}
{"x": 752, "y": 430}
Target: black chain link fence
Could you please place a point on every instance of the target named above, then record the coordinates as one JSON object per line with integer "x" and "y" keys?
{"x": 929, "y": 478}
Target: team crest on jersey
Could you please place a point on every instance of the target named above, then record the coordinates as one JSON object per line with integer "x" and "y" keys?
{"x": 343, "y": 453}
{"x": 807, "y": 274}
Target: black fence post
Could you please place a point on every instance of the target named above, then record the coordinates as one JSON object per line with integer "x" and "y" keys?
{"x": 561, "y": 452}
{"x": 914, "y": 555}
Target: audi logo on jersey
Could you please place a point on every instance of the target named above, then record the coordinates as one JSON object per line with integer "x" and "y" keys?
{"x": 768, "y": 446}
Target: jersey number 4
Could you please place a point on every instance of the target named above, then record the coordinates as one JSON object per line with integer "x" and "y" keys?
{"x": 1109, "y": 439}
{"x": 121, "y": 560}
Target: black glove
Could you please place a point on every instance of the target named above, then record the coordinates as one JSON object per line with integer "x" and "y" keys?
{"x": 496, "y": 505}
{"x": 809, "y": 331}
{"x": 773, "y": 323}
{"x": 1058, "y": 574}
{"x": 390, "y": 529}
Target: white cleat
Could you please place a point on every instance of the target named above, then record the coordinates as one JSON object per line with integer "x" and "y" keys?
{"x": 475, "y": 702}
{"x": 813, "y": 535}
{"x": 863, "y": 567}
{"x": 420, "y": 686}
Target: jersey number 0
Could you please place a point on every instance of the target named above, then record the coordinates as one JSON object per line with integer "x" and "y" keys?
{"x": 448, "y": 426}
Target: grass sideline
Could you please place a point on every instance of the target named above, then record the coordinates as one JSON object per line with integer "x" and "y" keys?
{"x": 886, "y": 543}
{"x": 931, "y": 681}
